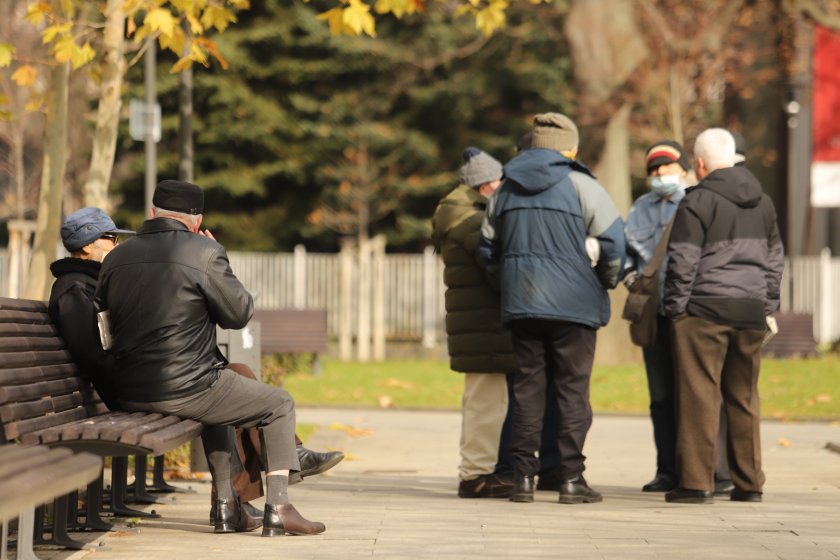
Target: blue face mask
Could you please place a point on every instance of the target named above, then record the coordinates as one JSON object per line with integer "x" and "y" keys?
{"x": 665, "y": 185}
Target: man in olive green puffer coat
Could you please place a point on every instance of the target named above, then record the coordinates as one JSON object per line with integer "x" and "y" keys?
{"x": 478, "y": 344}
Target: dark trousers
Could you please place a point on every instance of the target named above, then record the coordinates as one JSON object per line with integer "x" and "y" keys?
{"x": 563, "y": 352}
{"x": 237, "y": 401}
{"x": 549, "y": 454}
{"x": 659, "y": 365}
{"x": 717, "y": 361}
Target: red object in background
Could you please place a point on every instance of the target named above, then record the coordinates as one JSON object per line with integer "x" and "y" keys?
{"x": 826, "y": 119}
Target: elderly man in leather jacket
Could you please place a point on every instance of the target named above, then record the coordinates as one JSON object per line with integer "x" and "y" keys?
{"x": 166, "y": 290}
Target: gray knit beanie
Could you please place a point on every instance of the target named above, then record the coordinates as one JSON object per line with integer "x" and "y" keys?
{"x": 479, "y": 168}
{"x": 555, "y": 132}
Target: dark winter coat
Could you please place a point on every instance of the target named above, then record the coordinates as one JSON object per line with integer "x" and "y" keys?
{"x": 72, "y": 310}
{"x": 725, "y": 255}
{"x": 166, "y": 289}
{"x": 535, "y": 235}
{"x": 477, "y": 341}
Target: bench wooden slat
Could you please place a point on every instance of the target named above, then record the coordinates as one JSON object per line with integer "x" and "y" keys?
{"x": 94, "y": 427}
{"x": 25, "y": 329}
{"x": 40, "y": 474}
{"x": 31, "y": 409}
{"x": 22, "y": 343}
{"x": 30, "y": 359}
{"x": 16, "y": 429}
{"x": 172, "y": 436}
{"x": 24, "y": 316}
{"x": 21, "y": 376}
{"x": 7, "y": 303}
{"x": 53, "y": 434}
{"x": 63, "y": 386}
{"x": 132, "y": 436}
{"x": 292, "y": 330}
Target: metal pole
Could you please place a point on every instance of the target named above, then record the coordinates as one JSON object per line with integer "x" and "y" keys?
{"x": 151, "y": 101}
{"x": 799, "y": 141}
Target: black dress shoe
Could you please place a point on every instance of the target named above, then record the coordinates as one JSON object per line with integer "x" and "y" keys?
{"x": 723, "y": 487}
{"x": 523, "y": 488}
{"x": 231, "y": 517}
{"x": 739, "y": 495}
{"x": 577, "y": 491}
{"x": 662, "y": 483}
{"x": 314, "y": 462}
{"x": 282, "y": 519}
{"x": 485, "y": 486}
{"x": 686, "y": 496}
{"x": 247, "y": 509}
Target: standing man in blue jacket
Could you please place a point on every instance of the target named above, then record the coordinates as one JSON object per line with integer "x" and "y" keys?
{"x": 535, "y": 238}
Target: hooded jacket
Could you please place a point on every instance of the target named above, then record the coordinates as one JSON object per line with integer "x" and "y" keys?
{"x": 477, "y": 341}
{"x": 534, "y": 237}
{"x": 725, "y": 255}
{"x": 166, "y": 290}
{"x": 72, "y": 310}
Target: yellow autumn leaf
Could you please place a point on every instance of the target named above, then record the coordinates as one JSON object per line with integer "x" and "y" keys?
{"x": 183, "y": 63}
{"x": 173, "y": 41}
{"x": 213, "y": 50}
{"x": 25, "y": 75}
{"x": 37, "y": 12}
{"x": 5, "y": 116}
{"x": 195, "y": 25}
{"x": 67, "y": 8}
{"x": 240, "y": 4}
{"x": 357, "y": 17}
{"x": 491, "y": 18}
{"x": 3, "y": 99}
{"x": 334, "y": 18}
{"x": 33, "y": 104}
{"x": 7, "y": 51}
{"x": 385, "y": 401}
{"x": 217, "y": 17}
{"x": 823, "y": 398}
{"x": 350, "y": 430}
{"x": 62, "y": 50}
{"x": 397, "y": 7}
{"x": 784, "y": 442}
{"x": 161, "y": 20}
{"x": 197, "y": 54}
{"x": 81, "y": 55}
{"x": 49, "y": 34}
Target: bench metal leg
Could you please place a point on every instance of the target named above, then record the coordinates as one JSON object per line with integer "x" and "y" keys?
{"x": 26, "y": 530}
{"x": 160, "y": 485}
{"x": 119, "y": 473}
{"x": 93, "y": 507}
{"x": 141, "y": 495}
{"x": 59, "y": 527}
{"x": 4, "y": 542}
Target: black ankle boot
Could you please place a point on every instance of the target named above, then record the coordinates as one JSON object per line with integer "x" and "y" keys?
{"x": 284, "y": 518}
{"x": 523, "y": 488}
{"x": 230, "y": 517}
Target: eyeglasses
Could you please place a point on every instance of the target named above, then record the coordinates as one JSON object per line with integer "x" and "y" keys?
{"x": 109, "y": 237}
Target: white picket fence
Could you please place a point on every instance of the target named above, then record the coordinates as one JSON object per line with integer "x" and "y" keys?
{"x": 413, "y": 289}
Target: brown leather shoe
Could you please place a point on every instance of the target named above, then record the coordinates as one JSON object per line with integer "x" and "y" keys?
{"x": 281, "y": 519}
{"x": 485, "y": 486}
{"x": 231, "y": 517}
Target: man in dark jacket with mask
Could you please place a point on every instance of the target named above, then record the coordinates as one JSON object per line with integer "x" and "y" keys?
{"x": 722, "y": 283}
{"x": 553, "y": 300}
{"x": 166, "y": 290}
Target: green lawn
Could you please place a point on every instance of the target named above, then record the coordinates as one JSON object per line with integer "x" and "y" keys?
{"x": 790, "y": 389}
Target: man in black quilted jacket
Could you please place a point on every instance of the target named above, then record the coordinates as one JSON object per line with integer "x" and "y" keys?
{"x": 722, "y": 284}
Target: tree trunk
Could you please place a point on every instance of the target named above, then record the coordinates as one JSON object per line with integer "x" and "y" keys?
{"x": 39, "y": 278}
{"x": 614, "y": 346}
{"x": 108, "y": 110}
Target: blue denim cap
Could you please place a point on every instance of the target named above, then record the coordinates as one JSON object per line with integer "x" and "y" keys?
{"x": 86, "y": 226}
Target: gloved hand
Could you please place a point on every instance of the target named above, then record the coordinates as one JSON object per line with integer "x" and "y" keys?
{"x": 772, "y": 329}
{"x": 593, "y": 249}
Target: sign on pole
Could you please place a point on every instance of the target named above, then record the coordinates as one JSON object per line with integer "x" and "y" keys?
{"x": 138, "y": 119}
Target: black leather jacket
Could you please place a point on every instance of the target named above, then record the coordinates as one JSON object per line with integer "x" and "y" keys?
{"x": 167, "y": 289}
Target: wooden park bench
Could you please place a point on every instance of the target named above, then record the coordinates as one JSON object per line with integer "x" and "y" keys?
{"x": 795, "y": 337}
{"x": 45, "y": 400}
{"x": 293, "y": 331}
{"x": 33, "y": 475}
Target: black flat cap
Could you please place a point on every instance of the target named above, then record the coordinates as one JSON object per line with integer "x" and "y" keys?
{"x": 179, "y": 196}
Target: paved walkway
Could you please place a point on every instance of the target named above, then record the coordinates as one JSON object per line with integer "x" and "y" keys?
{"x": 394, "y": 497}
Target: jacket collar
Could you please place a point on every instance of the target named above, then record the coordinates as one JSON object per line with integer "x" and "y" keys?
{"x": 74, "y": 265}
{"x": 158, "y": 225}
